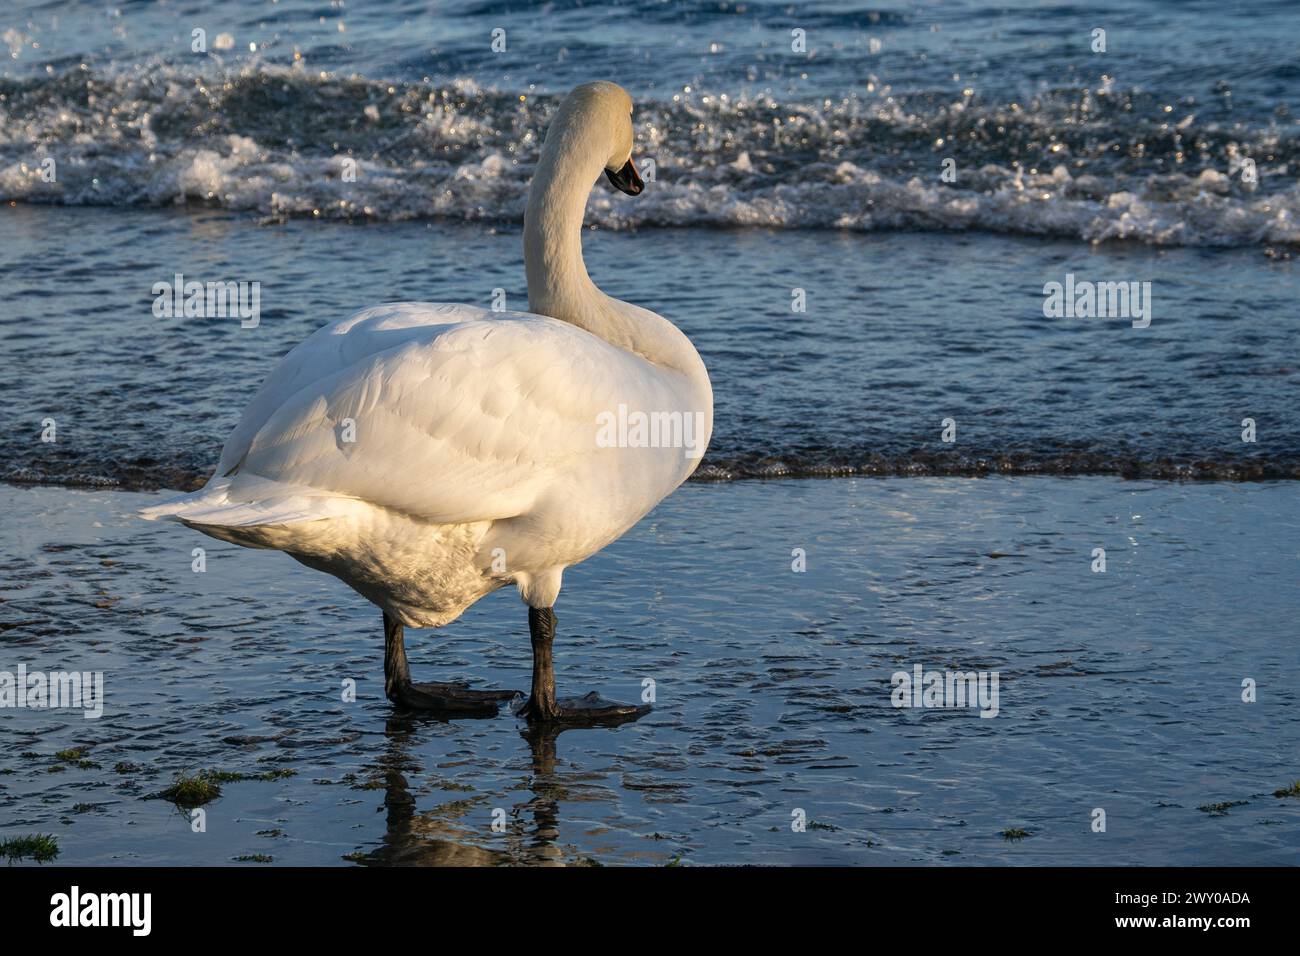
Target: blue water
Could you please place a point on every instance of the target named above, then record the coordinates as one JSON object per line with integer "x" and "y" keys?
{"x": 1245, "y": 52}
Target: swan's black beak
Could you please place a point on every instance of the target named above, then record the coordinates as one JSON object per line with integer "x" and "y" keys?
{"x": 626, "y": 179}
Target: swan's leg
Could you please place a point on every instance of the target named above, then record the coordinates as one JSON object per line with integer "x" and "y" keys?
{"x": 541, "y": 702}
{"x": 453, "y": 699}
{"x": 543, "y": 708}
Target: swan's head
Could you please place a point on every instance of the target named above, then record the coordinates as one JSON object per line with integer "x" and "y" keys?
{"x": 601, "y": 113}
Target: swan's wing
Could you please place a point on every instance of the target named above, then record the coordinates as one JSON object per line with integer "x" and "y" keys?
{"x": 463, "y": 423}
{"x": 332, "y": 348}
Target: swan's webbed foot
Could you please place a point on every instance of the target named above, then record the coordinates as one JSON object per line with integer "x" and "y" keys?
{"x": 542, "y": 710}
{"x": 590, "y": 710}
{"x": 452, "y": 699}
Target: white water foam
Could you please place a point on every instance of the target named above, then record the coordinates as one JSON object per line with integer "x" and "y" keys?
{"x": 280, "y": 142}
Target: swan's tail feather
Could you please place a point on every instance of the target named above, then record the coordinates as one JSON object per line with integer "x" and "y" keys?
{"x": 258, "y": 501}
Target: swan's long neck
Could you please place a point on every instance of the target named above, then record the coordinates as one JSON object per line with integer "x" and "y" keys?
{"x": 558, "y": 285}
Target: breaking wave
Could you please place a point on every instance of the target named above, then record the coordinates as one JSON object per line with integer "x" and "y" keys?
{"x": 278, "y": 141}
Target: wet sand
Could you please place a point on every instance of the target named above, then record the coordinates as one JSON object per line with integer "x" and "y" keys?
{"x": 1119, "y": 691}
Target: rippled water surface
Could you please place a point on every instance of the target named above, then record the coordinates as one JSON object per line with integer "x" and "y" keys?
{"x": 1119, "y": 691}
{"x": 900, "y": 332}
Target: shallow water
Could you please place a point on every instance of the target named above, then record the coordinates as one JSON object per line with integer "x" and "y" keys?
{"x": 1119, "y": 691}
{"x": 901, "y": 332}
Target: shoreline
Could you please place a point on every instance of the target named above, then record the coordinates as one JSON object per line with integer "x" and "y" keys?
{"x": 708, "y": 476}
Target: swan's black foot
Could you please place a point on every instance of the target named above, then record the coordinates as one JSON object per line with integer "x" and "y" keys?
{"x": 452, "y": 699}
{"x": 590, "y": 710}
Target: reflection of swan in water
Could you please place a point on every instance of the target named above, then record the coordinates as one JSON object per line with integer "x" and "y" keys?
{"x": 454, "y": 834}
{"x": 435, "y": 838}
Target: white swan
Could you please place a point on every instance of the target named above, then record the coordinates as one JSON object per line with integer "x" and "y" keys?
{"x": 428, "y": 454}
